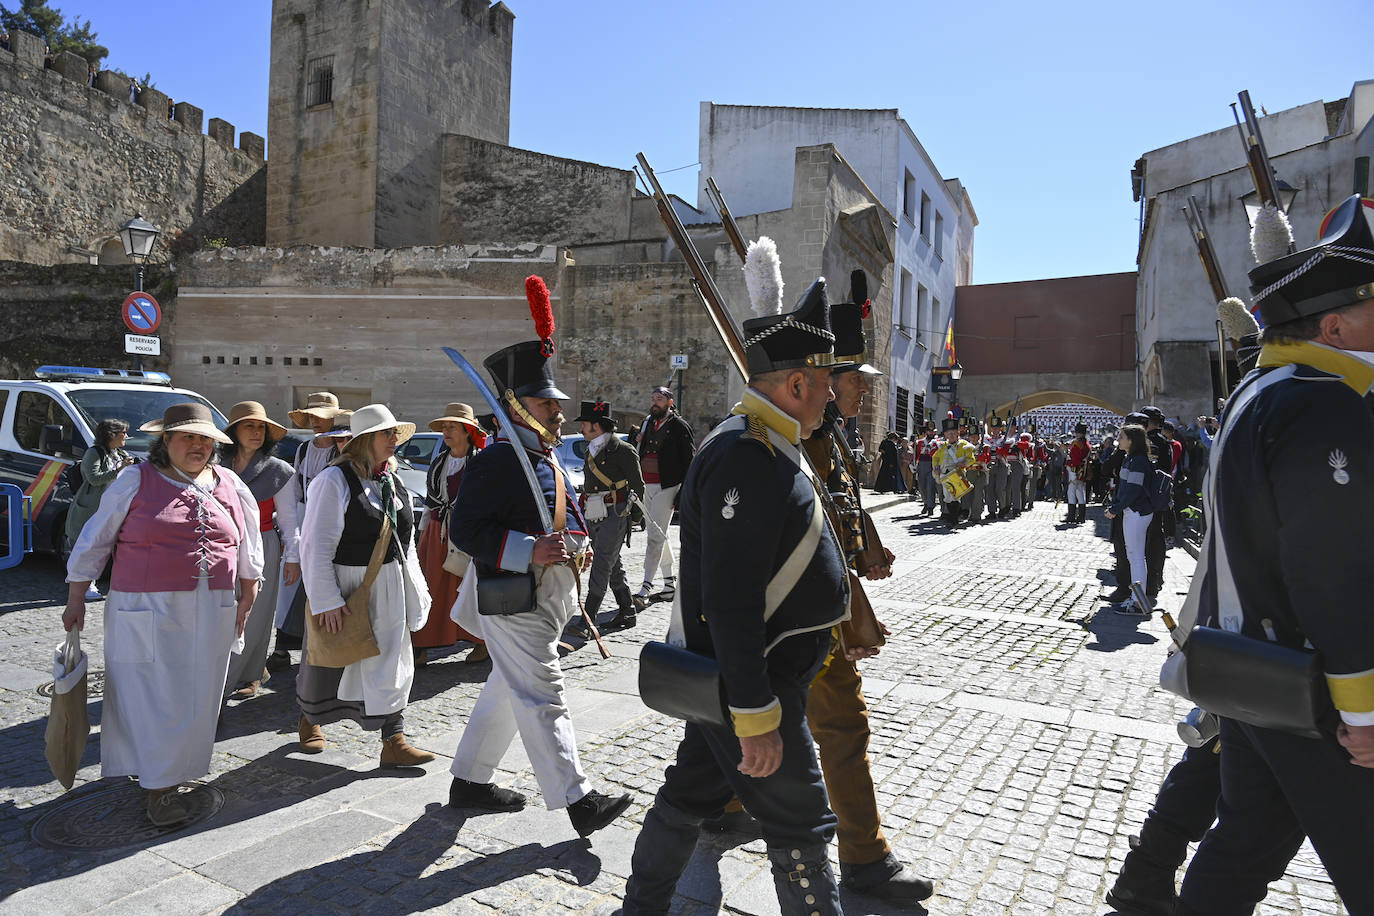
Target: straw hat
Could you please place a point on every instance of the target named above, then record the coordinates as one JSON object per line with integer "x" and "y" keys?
{"x": 376, "y": 417}
{"x": 320, "y": 404}
{"x": 186, "y": 418}
{"x": 457, "y": 412}
{"x": 252, "y": 410}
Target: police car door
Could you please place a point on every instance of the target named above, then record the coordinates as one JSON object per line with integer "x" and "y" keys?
{"x": 35, "y": 460}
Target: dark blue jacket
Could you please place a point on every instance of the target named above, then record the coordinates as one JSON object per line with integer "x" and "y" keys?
{"x": 745, "y": 505}
{"x": 495, "y": 518}
{"x": 1133, "y": 485}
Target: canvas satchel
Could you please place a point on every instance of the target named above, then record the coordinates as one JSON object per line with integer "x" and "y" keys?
{"x": 355, "y": 641}
{"x": 69, "y": 724}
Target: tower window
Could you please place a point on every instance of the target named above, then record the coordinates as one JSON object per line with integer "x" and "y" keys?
{"x": 319, "y": 88}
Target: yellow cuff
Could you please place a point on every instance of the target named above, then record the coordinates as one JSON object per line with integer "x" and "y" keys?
{"x": 1352, "y": 692}
{"x": 751, "y": 722}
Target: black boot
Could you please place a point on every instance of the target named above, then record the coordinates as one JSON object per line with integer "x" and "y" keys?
{"x": 1146, "y": 882}
{"x": 886, "y": 879}
{"x": 804, "y": 880}
{"x": 483, "y": 795}
{"x": 593, "y": 811}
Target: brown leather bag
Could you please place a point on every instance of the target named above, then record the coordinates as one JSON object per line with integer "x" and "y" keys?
{"x": 355, "y": 641}
{"x": 861, "y": 630}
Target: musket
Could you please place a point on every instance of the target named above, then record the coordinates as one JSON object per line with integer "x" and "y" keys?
{"x": 1197, "y": 225}
{"x": 702, "y": 280}
{"x": 1256, "y": 156}
{"x": 545, "y": 518}
{"x": 727, "y": 219}
{"x": 734, "y": 344}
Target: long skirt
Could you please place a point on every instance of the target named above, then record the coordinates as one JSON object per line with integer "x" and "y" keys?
{"x": 366, "y": 691}
{"x": 249, "y": 664}
{"x": 439, "y": 630}
{"x": 166, "y": 656}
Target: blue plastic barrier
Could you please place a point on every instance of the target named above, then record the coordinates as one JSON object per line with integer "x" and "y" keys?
{"x": 20, "y": 540}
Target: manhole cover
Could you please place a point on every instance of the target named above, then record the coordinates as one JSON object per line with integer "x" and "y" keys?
{"x": 95, "y": 685}
{"x": 116, "y": 817}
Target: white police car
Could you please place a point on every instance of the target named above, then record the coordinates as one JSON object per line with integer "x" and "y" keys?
{"x": 48, "y": 422}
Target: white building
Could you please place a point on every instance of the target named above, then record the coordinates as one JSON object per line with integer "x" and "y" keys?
{"x": 1321, "y": 149}
{"x": 749, "y": 151}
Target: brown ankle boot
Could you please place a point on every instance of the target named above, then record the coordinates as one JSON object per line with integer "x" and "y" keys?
{"x": 396, "y": 753}
{"x": 312, "y": 737}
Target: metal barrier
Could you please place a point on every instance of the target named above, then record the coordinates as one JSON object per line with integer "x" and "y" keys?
{"x": 19, "y": 527}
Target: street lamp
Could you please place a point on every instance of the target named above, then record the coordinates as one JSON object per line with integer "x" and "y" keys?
{"x": 1251, "y": 200}
{"x": 138, "y": 236}
{"x": 956, "y": 371}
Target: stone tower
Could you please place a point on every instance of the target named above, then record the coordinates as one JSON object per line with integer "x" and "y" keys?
{"x": 361, "y": 94}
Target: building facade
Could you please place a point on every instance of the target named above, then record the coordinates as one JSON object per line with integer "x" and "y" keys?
{"x": 747, "y": 149}
{"x": 1321, "y": 149}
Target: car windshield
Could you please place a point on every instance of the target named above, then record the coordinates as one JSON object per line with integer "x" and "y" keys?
{"x": 418, "y": 450}
{"x": 135, "y": 406}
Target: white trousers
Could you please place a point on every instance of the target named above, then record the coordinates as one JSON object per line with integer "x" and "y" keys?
{"x": 524, "y": 693}
{"x": 1078, "y": 492}
{"x": 659, "y": 553}
{"x": 1133, "y": 527}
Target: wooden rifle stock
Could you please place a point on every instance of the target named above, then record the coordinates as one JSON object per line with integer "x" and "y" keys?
{"x": 727, "y": 219}
{"x": 1256, "y": 156}
{"x": 1208, "y": 255}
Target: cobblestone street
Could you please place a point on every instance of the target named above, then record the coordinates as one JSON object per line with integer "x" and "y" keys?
{"x": 1019, "y": 736}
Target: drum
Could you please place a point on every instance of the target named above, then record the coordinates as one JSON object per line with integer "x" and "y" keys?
{"x": 956, "y": 484}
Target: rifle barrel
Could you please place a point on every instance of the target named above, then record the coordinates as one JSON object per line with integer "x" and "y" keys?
{"x": 727, "y": 219}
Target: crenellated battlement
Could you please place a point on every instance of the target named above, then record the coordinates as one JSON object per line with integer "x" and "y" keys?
{"x": 80, "y": 159}
{"x": 26, "y": 51}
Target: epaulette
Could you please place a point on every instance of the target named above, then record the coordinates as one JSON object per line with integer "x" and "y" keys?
{"x": 758, "y": 430}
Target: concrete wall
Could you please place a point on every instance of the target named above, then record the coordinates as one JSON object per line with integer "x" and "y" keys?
{"x": 79, "y": 161}
{"x": 322, "y": 182}
{"x": 491, "y": 191}
{"x": 1114, "y": 390}
{"x": 68, "y": 314}
{"x": 445, "y": 68}
{"x": 369, "y": 322}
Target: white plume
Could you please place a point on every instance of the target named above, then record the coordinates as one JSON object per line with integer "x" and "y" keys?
{"x": 1236, "y": 320}
{"x": 763, "y": 277}
{"x": 1271, "y": 236}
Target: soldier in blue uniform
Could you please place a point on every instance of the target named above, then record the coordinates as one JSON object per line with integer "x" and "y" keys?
{"x": 1293, "y": 469}
{"x": 497, "y": 521}
{"x": 763, "y": 583}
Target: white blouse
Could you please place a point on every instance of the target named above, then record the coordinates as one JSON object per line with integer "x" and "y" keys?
{"x": 97, "y": 541}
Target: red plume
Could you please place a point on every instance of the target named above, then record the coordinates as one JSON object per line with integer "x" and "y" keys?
{"x": 865, "y": 308}
{"x": 541, "y": 310}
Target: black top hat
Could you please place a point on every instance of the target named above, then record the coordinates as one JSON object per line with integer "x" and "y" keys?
{"x": 995, "y": 422}
{"x": 801, "y": 339}
{"x": 523, "y": 369}
{"x": 1080, "y": 429}
{"x": 595, "y": 412}
{"x": 1334, "y": 272}
{"x": 949, "y": 423}
{"x": 847, "y": 323}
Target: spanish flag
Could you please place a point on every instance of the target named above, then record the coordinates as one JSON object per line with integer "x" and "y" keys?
{"x": 43, "y": 486}
{"x": 949, "y": 341}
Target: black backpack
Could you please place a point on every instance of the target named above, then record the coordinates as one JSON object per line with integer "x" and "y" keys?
{"x": 73, "y": 477}
{"x": 1161, "y": 490}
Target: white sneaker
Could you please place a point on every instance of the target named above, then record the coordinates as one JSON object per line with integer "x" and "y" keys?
{"x": 93, "y": 593}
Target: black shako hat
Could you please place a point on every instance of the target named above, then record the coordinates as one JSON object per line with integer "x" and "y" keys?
{"x": 1337, "y": 271}
{"x": 595, "y": 412}
{"x": 948, "y": 423}
{"x": 523, "y": 369}
{"x": 800, "y": 339}
{"x": 847, "y": 324}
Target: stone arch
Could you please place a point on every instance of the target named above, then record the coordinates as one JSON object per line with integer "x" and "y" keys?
{"x": 111, "y": 251}
{"x": 1058, "y": 396}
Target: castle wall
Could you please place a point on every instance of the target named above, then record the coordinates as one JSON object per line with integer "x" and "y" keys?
{"x": 68, "y": 315}
{"x": 492, "y": 191}
{"x": 79, "y": 161}
{"x": 460, "y": 86}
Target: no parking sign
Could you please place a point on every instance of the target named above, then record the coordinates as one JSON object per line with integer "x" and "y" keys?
{"x": 141, "y": 313}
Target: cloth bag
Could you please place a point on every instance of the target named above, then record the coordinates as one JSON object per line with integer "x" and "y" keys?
{"x": 355, "y": 641}
{"x": 69, "y": 724}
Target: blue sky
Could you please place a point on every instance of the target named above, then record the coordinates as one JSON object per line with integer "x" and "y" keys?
{"x": 1040, "y": 109}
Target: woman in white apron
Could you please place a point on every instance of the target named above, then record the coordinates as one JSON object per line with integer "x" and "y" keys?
{"x": 343, "y": 519}
{"x": 184, "y": 534}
